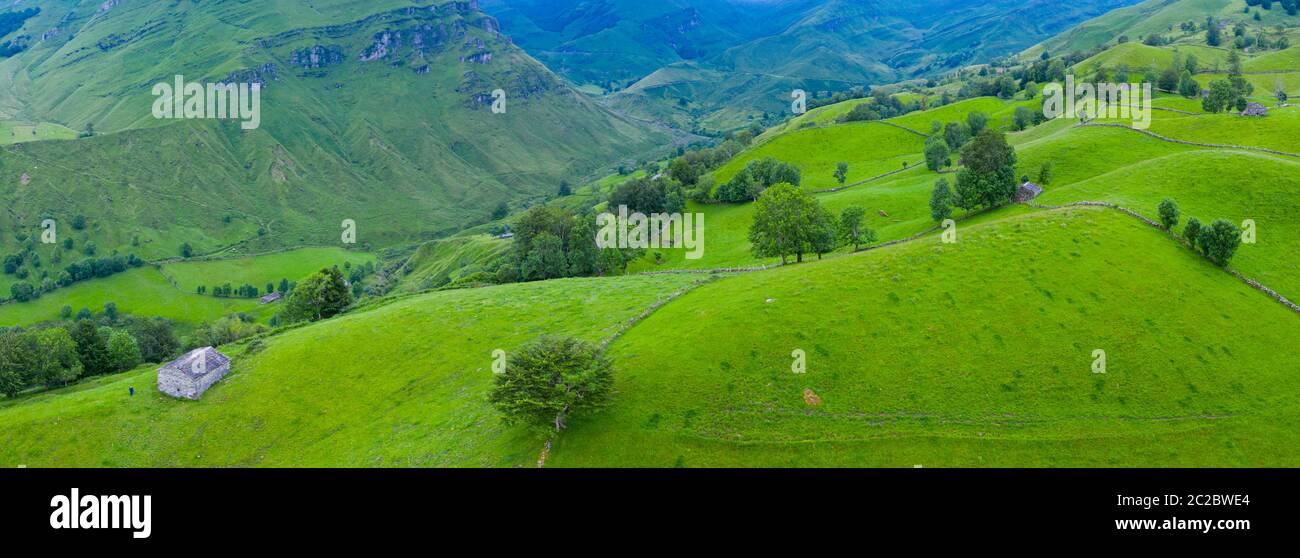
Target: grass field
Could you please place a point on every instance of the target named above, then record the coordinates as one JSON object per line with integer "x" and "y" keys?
{"x": 315, "y": 396}
{"x": 919, "y": 359}
{"x": 260, "y": 270}
{"x": 870, "y": 149}
{"x": 1248, "y": 186}
{"x": 170, "y": 292}
{"x": 142, "y": 292}
{"x": 19, "y": 132}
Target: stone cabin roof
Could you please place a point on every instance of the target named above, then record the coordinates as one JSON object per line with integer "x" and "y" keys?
{"x": 212, "y": 357}
{"x": 1026, "y": 192}
{"x": 1255, "y": 109}
{"x": 269, "y": 298}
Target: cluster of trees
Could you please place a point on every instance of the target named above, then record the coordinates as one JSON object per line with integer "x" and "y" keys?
{"x": 789, "y": 221}
{"x": 226, "y": 330}
{"x": 1177, "y": 77}
{"x": 1218, "y": 241}
{"x": 692, "y": 166}
{"x": 228, "y": 291}
{"x": 649, "y": 195}
{"x": 987, "y": 178}
{"x": 58, "y": 355}
{"x": 881, "y": 106}
{"x": 757, "y": 176}
{"x": 945, "y": 140}
{"x": 1290, "y": 6}
{"x": 554, "y": 242}
{"x": 86, "y": 268}
{"x": 1231, "y": 93}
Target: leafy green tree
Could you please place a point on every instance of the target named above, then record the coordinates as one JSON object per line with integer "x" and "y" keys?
{"x": 1045, "y": 173}
{"x": 110, "y": 311}
{"x": 550, "y": 379}
{"x": 783, "y": 223}
{"x": 937, "y": 155}
{"x": 323, "y": 295}
{"x": 92, "y": 349}
{"x": 155, "y": 339}
{"x": 1212, "y": 34}
{"x": 1188, "y": 86}
{"x": 565, "y": 189}
{"x": 1192, "y": 232}
{"x": 1022, "y": 118}
{"x": 1169, "y": 214}
{"x": 841, "y": 172}
{"x": 546, "y": 261}
{"x": 977, "y": 121}
{"x": 22, "y": 291}
{"x": 955, "y": 134}
{"x": 583, "y": 249}
{"x": 65, "y": 312}
{"x": 1221, "y": 97}
{"x": 186, "y": 250}
{"x": 639, "y": 195}
{"x": 989, "y": 177}
{"x": 500, "y": 211}
{"x": 1220, "y": 241}
{"x": 58, "y": 362}
{"x": 123, "y": 352}
{"x": 825, "y": 234}
{"x": 941, "y": 201}
{"x": 852, "y": 230}
{"x": 17, "y": 360}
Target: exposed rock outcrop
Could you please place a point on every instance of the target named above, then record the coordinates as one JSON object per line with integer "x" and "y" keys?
{"x": 317, "y": 56}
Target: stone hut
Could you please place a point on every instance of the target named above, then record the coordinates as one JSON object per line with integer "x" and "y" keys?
{"x": 1026, "y": 192}
{"x": 191, "y": 375}
{"x": 1255, "y": 109}
{"x": 272, "y": 297}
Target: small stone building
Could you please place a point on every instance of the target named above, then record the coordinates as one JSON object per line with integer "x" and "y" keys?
{"x": 1255, "y": 109}
{"x": 191, "y": 375}
{"x": 272, "y": 297}
{"x": 1026, "y": 192}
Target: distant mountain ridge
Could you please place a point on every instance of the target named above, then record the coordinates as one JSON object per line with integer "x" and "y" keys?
{"x": 739, "y": 56}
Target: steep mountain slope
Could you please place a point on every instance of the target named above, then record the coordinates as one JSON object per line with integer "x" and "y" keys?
{"x": 378, "y": 112}
{"x": 1153, "y": 16}
{"x": 739, "y": 58}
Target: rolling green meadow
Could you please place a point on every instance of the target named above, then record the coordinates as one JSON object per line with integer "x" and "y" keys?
{"x": 974, "y": 350}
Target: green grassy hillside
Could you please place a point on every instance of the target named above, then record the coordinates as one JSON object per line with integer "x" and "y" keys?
{"x": 318, "y": 395}
{"x": 398, "y": 137}
{"x": 442, "y": 261}
{"x": 817, "y": 151}
{"x": 972, "y": 354}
